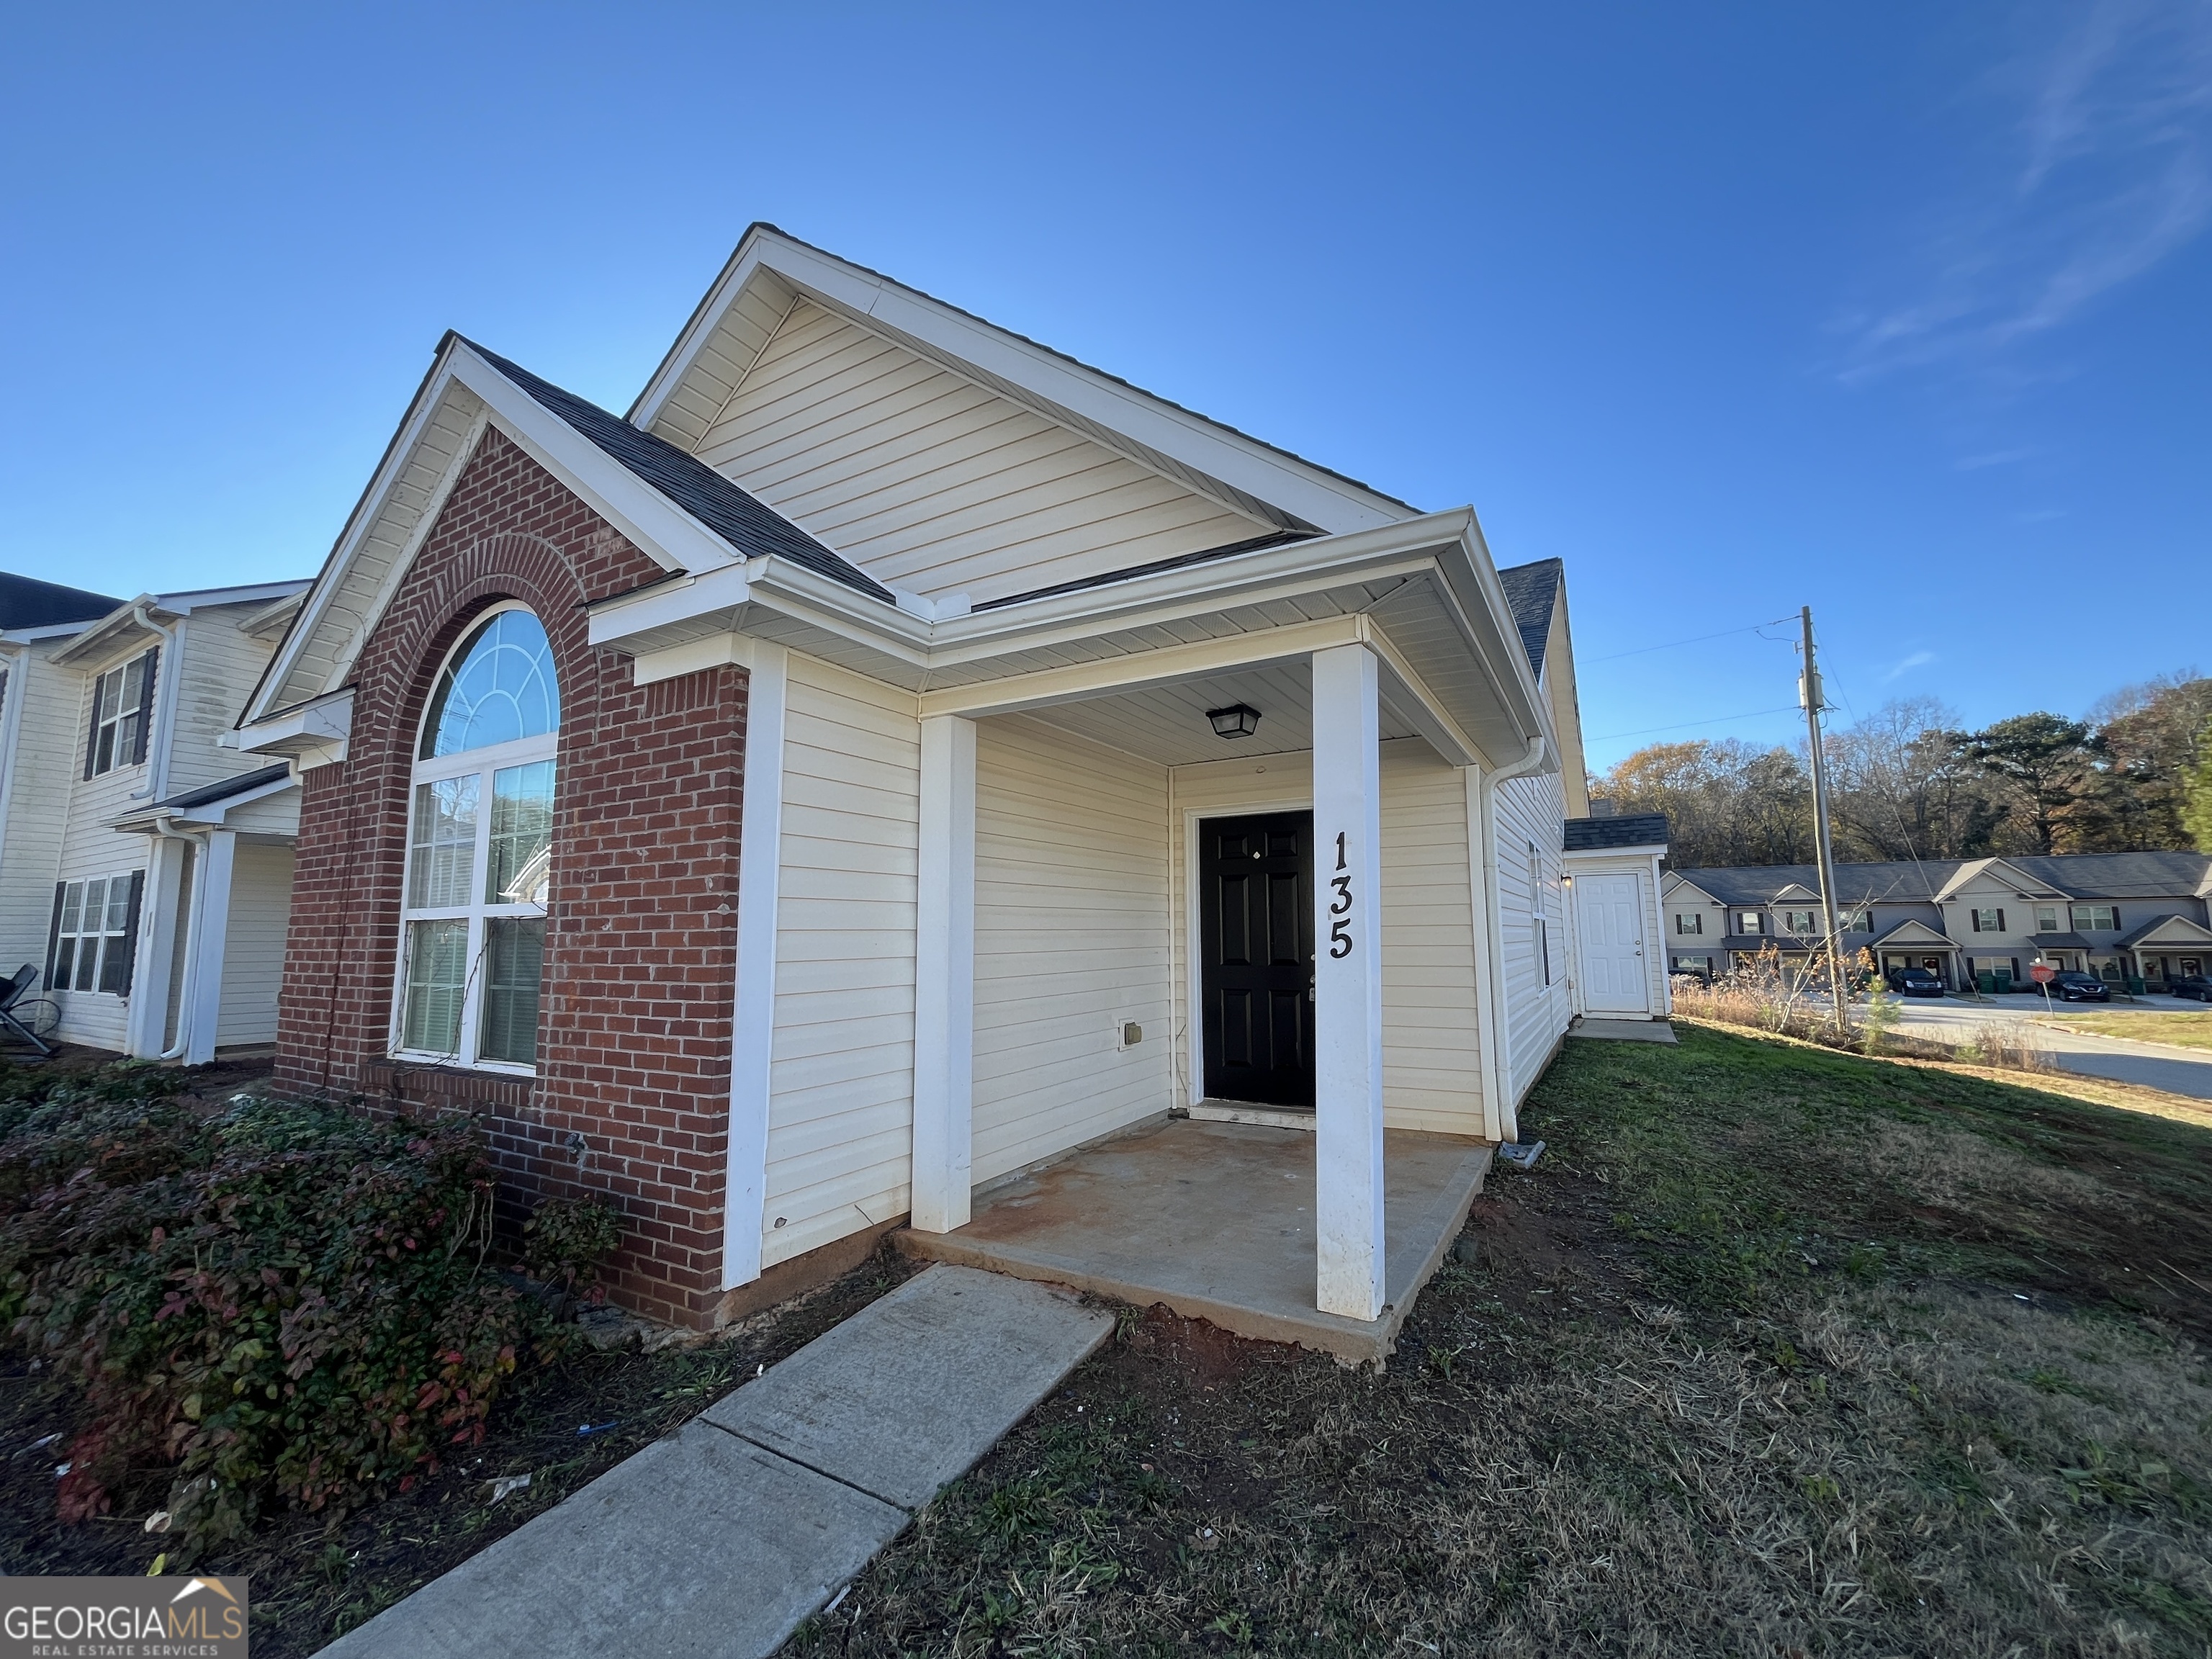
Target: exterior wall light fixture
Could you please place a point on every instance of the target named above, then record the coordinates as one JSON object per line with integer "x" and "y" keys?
{"x": 1237, "y": 721}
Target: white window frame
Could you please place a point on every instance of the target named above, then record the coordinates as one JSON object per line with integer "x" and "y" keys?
{"x": 2092, "y": 925}
{"x": 1750, "y": 921}
{"x": 1690, "y": 926}
{"x": 494, "y": 757}
{"x": 103, "y": 941}
{"x": 1995, "y": 924}
{"x": 2046, "y": 919}
{"x": 121, "y": 757}
{"x": 1789, "y": 923}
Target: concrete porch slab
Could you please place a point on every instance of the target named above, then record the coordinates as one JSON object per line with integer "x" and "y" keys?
{"x": 1215, "y": 1222}
{"x": 1625, "y": 1031}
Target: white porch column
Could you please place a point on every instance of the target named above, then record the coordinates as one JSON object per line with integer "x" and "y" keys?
{"x": 146, "y": 1033}
{"x": 214, "y": 933}
{"x": 752, "y": 1018}
{"x": 944, "y": 976}
{"x": 1348, "y": 983}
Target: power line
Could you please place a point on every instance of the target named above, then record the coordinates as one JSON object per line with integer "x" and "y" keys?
{"x": 1718, "y": 720}
{"x": 1725, "y": 634}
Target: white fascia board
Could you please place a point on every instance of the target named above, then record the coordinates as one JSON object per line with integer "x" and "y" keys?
{"x": 209, "y": 816}
{"x": 663, "y": 531}
{"x": 184, "y": 604}
{"x": 1435, "y": 545}
{"x": 325, "y": 724}
{"x": 1634, "y": 854}
{"x": 1337, "y": 505}
{"x": 1675, "y": 883}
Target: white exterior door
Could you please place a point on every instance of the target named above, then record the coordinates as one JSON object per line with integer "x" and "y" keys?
{"x": 1609, "y": 913}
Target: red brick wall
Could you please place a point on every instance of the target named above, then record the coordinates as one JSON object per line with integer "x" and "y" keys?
{"x": 631, "y": 1099}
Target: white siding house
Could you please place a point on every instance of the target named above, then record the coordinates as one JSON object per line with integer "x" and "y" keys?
{"x": 145, "y": 870}
{"x": 1101, "y": 762}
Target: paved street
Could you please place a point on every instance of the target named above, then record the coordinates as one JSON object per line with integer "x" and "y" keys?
{"x": 2178, "y": 1071}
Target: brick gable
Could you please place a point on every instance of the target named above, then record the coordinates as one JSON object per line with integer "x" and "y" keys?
{"x": 631, "y": 1098}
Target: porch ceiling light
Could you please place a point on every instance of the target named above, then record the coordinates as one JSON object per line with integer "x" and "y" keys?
{"x": 1237, "y": 721}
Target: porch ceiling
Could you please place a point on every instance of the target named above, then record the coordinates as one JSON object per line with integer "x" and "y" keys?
{"x": 1167, "y": 724}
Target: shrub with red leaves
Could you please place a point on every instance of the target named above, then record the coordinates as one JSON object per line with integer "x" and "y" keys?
{"x": 284, "y": 1304}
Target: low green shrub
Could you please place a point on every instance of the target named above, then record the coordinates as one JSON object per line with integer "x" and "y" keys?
{"x": 567, "y": 1240}
{"x": 280, "y": 1303}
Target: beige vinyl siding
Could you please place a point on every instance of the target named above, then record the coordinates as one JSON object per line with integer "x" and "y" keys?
{"x": 253, "y": 947}
{"x": 930, "y": 482}
{"x": 1072, "y": 941}
{"x": 1432, "y": 1037}
{"x": 1431, "y": 1045}
{"x": 841, "y": 1110}
{"x": 219, "y": 663}
{"x": 45, "y": 701}
{"x": 90, "y": 848}
{"x": 1531, "y": 812}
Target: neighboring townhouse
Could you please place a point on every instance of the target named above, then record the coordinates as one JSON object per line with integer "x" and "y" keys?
{"x": 894, "y": 754}
{"x": 2118, "y": 915}
{"x": 145, "y": 869}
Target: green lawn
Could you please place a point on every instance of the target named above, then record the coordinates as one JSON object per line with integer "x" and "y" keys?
{"x": 1779, "y": 1351}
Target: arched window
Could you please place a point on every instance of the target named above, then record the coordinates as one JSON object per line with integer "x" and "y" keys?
{"x": 479, "y": 850}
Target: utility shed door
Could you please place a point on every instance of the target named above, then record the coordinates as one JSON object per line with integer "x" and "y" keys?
{"x": 1256, "y": 973}
{"x": 1610, "y": 912}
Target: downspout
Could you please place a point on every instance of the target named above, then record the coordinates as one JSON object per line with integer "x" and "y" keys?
{"x": 165, "y": 708}
{"x": 1501, "y": 1069}
{"x": 164, "y": 826}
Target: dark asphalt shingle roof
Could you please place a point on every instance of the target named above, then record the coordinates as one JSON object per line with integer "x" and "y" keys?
{"x": 208, "y": 795}
{"x": 1531, "y": 590}
{"x": 27, "y": 602}
{"x": 1635, "y": 829}
{"x": 2083, "y": 875}
{"x": 731, "y": 513}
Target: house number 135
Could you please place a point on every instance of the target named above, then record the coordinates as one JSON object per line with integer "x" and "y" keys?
{"x": 1340, "y": 908}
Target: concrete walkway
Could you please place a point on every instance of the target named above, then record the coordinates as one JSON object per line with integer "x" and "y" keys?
{"x": 1624, "y": 1030}
{"x": 716, "y": 1542}
{"x": 2154, "y": 1065}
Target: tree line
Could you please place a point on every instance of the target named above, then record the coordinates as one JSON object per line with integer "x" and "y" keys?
{"x": 1908, "y": 781}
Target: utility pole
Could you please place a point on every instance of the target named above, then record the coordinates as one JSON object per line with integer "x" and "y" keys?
{"x": 1809, "y": 693}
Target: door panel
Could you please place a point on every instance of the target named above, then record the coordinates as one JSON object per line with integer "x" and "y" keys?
{"x": 1609, "y": 910}
{"x": 1255, "y": 968}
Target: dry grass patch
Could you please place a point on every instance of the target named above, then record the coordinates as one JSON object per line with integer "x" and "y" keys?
{"x": 1779, "y": 1351}
{"x": 2142, "y": 1025}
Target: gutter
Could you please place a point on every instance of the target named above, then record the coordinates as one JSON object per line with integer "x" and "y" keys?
{"x": 165, "y": 705}
{"x": 165, "y": 826}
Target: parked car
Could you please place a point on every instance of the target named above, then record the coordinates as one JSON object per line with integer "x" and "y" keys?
{"x": 1916, "y": 982}
{"x": 2191, "y": 985}
{"x": 2071, "y": 987}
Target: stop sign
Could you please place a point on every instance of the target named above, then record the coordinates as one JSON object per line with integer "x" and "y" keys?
{"x": 2042, "y": 972}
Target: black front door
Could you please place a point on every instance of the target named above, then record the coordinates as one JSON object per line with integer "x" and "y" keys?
{"x": 1256, "y": 973}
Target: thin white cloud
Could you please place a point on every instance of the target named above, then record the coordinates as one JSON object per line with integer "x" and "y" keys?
{"x": 1907, "y": 664}
{"x": 2111, "y": 172}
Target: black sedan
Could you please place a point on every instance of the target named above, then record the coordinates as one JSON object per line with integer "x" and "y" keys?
{"x": 2191, "y": 985}
{"x": 2071, "y": 987}
{"x": 1915, "y": 982}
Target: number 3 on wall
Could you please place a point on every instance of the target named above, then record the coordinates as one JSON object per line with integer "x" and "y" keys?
{"x": 1340, "y": 929}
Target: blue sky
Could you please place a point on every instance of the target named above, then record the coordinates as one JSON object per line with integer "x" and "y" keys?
{"x": 1899, "y": 311}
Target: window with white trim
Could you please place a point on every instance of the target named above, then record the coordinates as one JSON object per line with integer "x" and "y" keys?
{"x": 2046, "y": 918}
{"x": 2096, "y": 918}
{"x": 1799, "y": 922}
{"x": 479, "y": 851}
{"x": 95, "y": 933}
{"x": 122, "y": 713}
{"x": 1988, "y": 921}
{"x": 1690, "y": 924}
{"x": 1747, "y": 921}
